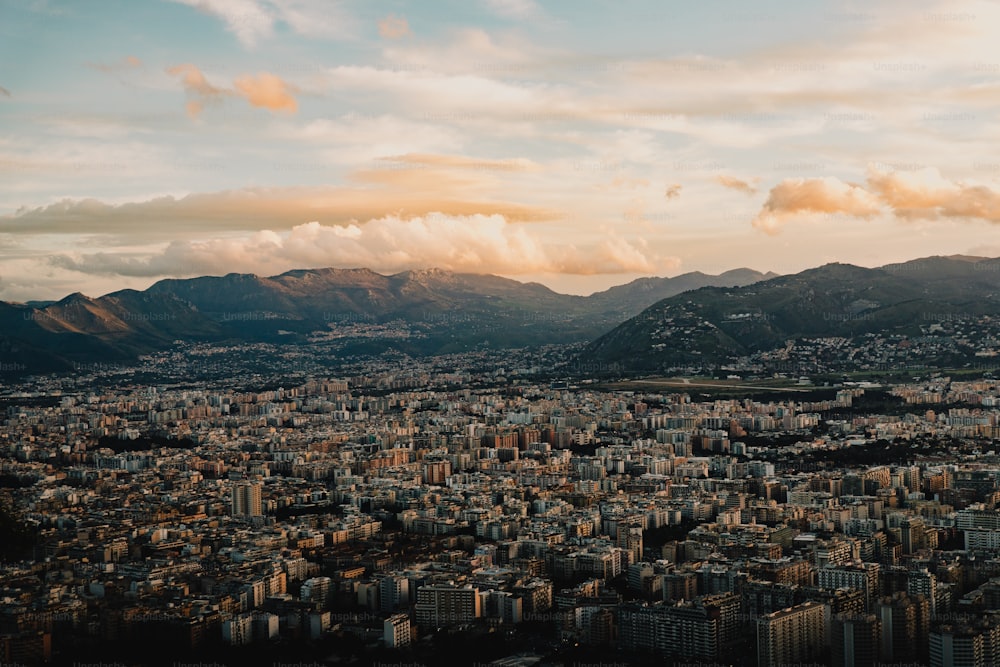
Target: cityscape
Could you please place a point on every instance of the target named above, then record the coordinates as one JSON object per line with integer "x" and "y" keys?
{"x": 499, "y": 333}
{"x": 499, "y": 507}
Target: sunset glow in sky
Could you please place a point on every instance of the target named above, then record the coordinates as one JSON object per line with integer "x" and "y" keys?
{"x": 577, "y": 144}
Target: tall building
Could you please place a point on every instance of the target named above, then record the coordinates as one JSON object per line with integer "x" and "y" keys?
{"x": 922, "y": 582}
{"x": 436, "y": 471}
{"x": 855, "y": 641}
{"x": 912, "y": 534}
{"x": 960, "y": 647}
{"x": 629, "y": 538}
{"x": 905, "y": 627}
{"x": 796, "y": 634}
{"x": 247, "y": 499}
{"x": 394, "y": 591}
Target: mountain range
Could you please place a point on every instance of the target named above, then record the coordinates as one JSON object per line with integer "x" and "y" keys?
{"x": 444, "y": 312}
{"x": 646, "y": 325}
{"x": 708, "y": 326}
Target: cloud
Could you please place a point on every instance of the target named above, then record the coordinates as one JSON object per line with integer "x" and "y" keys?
{"x": 458, "y": 243}
{"x": 4, "y": 92}
{"x": 461, "y": 162}
{"x": 924, "y": 194}
{"x": 736, "y": 184}
{"x": 916, "y": 195}
{"x": 247, "y": 19}
{"x": 197, "y": 88}
{"x": 267, "y": 91}
{"x": 252, "y": 20}
{"x": 673, "y": 191}
{"x": 253, "y": 209}
{"x": 804, "y": 196}
{"x": 514, "y": 9}
{"x": 393, "y": 27}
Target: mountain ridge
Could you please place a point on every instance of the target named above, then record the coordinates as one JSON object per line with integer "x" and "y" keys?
{"x": 710, "y": 326}
{"x": 294, "y": 305}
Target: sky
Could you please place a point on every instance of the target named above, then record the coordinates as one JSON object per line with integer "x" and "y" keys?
{"x": 576, "y": 144}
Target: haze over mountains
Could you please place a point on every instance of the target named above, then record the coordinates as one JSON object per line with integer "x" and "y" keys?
{"x": 438, "y": 311}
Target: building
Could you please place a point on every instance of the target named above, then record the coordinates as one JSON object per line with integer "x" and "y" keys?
{"x": 316, "y": 590}
{"x": 855, "y": 641}
{"x": 396, "y": 631}
{"x": 247, "y": 499}
{"x": 922, "y": 582}
{"x": 502, "y": 606}
{"x": 862, "y": 576}
{"x": 667, "y": 630}
{"x": 982, "y": 539}
{"x": 435, "y": 472}
{"x": 238, "y": 630}
{"x": 679, "y": 586}
{"x": 394, "y": 591}
{"x": 973, "y": 644}
{"x": 796, "y": 634}
{"x": 905, "y": 626}
{"x": 442, "y": 605}
{"x": 698, "y": 629}
{"x": 629, "y": 539}
{"x": 265, "y": 626}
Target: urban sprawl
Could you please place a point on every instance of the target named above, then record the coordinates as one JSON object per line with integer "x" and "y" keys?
{"x": 393, "y": 511}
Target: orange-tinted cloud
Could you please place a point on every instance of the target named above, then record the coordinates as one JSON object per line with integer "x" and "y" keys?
{"x": 420, "y": 160}
{"x": 924, "y": 194}
{"x": 393, "y": 27}
{"x": 736, "y": 184}
{"x": 267, "y": 91}
{"x": 805, "y": 196}
{"x": 254, "y": 209}
{"x": 199, "y": 91}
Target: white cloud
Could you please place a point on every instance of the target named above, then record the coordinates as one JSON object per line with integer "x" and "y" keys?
{"x": 475, "y": 243}
{"x": 249, "y": 20}
{"x": 515, "y": 9}
{"x": 252, "y": 20}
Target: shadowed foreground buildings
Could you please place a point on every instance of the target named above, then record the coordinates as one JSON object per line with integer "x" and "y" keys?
{"x": 906, "y": 622}
{"x": 968, "y": 642}
{"x": 702, "y": 628}
{"x": 854, "y": 641}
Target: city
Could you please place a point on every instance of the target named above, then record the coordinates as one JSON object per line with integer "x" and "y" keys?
{"x": 499, "y": 333}
{"x": 399, "y": 507}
